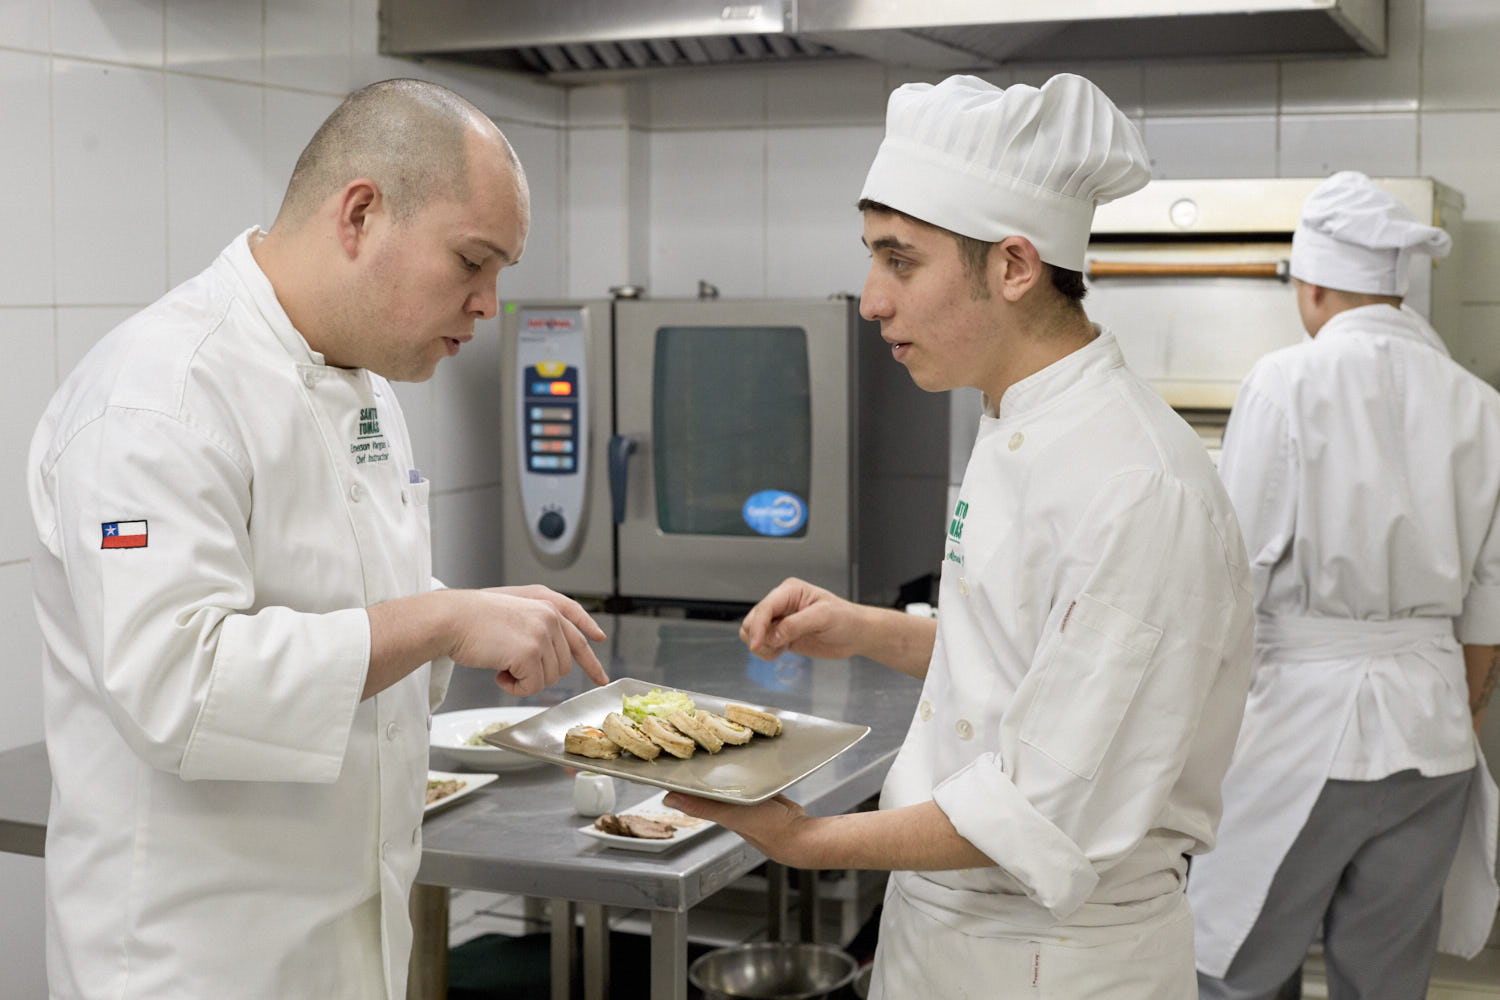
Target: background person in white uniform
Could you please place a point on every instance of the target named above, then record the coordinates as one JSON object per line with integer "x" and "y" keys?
{"x": 1365, "y": 468}
{"x": 1084, "y": 679}
{"x": 243, "y": 639}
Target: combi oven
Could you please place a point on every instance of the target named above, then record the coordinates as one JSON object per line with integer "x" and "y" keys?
{"x": 701, "y": 450}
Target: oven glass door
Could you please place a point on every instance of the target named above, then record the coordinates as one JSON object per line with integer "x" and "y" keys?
{"x": 739, "y": 416}
{"x": 731, "y": 421}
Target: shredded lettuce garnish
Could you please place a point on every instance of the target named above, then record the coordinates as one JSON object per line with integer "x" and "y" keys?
{"x": 655, "y": 702}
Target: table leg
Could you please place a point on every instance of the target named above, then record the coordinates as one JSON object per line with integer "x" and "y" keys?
{"x": 668, "y": 955}
{"x": 807, "y": 903}
{"x": 564, "y": 954}
{"x": 595, "y": 952}
{"x": 427, "y": 972}
{"x": 776, "y": 893}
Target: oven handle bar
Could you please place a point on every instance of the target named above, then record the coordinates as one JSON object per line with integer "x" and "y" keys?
{"x": 621, "y": 447}
{"x": 1278, "y": 269}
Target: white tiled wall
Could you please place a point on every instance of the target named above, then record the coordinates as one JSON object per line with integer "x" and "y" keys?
{"x": 138, "y": 136}
{"x": 708, "y": 191}
{"x": 803, "y": 222}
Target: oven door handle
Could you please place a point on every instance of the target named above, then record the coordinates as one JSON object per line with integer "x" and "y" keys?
{"x": 1279, "y": 269}
{"x": 620, "y": 449}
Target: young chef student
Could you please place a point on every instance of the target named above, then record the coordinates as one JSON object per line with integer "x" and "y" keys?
{"x": 1084, "y": 680}
{"x": 1365, "y": 467}
{"x": 243, "y": 640}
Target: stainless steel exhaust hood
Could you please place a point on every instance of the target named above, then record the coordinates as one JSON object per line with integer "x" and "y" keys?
{"x": 580, "y": 39}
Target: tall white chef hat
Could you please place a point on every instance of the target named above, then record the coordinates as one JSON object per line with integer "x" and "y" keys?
{"x": 1356, "y": 238}
{"x": 989, "y": 163}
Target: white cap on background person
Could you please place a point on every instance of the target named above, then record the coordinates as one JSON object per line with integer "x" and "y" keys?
{"x": 1354, "y": 237}
{"x": 988, "y": 163}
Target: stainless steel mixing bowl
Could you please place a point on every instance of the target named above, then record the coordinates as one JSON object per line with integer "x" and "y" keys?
{"x": 773, "y": 971}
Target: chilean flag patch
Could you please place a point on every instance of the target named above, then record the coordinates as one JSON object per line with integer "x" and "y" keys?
{"x": 123, "y": 534}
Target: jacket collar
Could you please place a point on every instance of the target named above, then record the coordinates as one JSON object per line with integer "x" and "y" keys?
{"x": 1038, "y": 390}
{"x": 1376, "y": 320}
{"x": 258, "y": 292}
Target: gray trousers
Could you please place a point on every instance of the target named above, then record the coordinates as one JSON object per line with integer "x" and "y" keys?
{"x": 1369, "y": 865}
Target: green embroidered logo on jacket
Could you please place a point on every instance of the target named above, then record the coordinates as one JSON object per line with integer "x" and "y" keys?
{"x": 370, "y": 445}
{"x": 956, "y": 530}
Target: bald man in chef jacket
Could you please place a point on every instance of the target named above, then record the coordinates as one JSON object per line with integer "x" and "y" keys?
{"x": 243, "y": 638}
{"x": 1365, "y": 468}
{"x": 1085, "y": 676}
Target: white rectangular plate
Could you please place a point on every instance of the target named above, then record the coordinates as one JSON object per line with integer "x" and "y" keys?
{"x": 471, "y": 782}
{"x": 742, "y": 774}
{"x": 651, "y": 809}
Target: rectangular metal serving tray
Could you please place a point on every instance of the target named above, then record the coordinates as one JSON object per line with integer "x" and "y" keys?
{"x": 741, "y": 774}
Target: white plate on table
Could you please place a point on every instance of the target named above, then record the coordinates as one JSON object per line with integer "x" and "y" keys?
{"x": 652, "y": 809}
{"x": 451, "y": 732}
{"x": 742, "y": 774}
{"x": 468, "y": 782}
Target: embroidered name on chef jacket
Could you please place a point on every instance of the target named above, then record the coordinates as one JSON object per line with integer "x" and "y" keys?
{"x": 369, "y": 445}
{"x": 123, "y": 535}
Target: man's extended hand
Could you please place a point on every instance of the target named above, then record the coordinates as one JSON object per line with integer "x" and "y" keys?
{"x": 530, "y": 636}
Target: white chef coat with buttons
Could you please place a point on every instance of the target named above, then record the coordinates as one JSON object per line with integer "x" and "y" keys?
{"x": 1365, "y": 468}
{"x": 1091, "y": 661}
{"x": 228, "y": 818}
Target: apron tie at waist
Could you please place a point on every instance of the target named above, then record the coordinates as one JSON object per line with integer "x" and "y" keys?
{"x": 1307, "y": 639}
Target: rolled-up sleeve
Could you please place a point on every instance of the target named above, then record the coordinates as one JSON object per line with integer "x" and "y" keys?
{"x": 442, "y": 669}
{"x": 1046, "y": 861}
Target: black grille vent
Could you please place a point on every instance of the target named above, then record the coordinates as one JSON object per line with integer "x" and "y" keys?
{"x": 665, "y": 53}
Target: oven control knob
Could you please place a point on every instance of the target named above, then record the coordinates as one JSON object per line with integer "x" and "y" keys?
{"x": 551, "y": 525}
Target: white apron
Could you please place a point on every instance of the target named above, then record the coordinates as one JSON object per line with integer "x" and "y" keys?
{"x": 1289, "y": 726}
{"x": 1147, "y": 960}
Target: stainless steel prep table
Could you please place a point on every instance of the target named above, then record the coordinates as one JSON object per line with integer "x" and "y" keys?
{"x": 518, "y": 834}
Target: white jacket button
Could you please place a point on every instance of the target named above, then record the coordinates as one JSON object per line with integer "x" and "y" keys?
{"x": 310, "y": 378}
{"x": 963, "y": 586}
{"x": 964, "y": 728}
{"x": 385, "y": 850}
{"x": 416, "y": 835}
{"x": 925, "y": 710}
{"x": 391, "y": 730}
{"x": 356, "y": 492}
{"x": 1016, "y": 440}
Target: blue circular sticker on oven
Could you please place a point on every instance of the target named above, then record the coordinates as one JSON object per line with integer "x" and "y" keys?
{"x": 774, "y": 512}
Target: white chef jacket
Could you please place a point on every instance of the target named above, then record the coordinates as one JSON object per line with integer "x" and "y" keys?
{"x": 1365, "y": 468}
{"x": 1091, "y": 662}
{"x": 228, "y": 818}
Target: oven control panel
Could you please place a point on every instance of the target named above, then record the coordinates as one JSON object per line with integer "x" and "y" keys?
{"x": 551, "y": 371}
{"x": 551, "y": 418}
